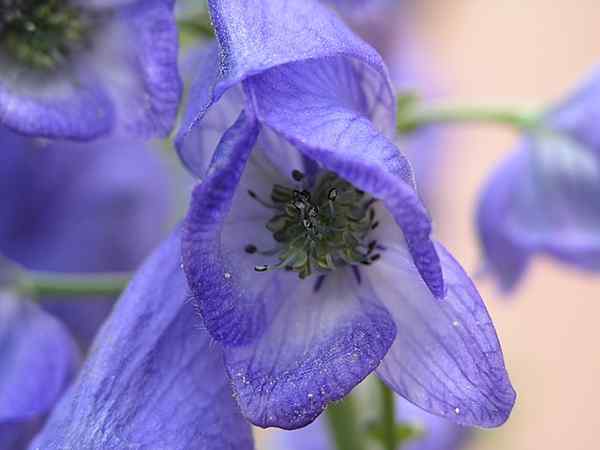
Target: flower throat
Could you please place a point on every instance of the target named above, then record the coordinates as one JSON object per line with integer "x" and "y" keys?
{"x": 321, "y": 230}
{"x": 43, "y": 34}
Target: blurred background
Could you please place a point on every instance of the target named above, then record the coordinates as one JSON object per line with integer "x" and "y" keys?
{"x": 529, "y": 52}
{"x": 536, "y": 51}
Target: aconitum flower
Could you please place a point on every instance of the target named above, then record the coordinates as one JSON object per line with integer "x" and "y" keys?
{"x": 433, "y": 433}
{"x": 306, "y": 247}
{"x": 74, "y": 208}
{"x": 80, "y": 69}
{"x": 543, "y": 199}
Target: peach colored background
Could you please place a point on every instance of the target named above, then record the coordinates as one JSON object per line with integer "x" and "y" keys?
{"x": 534, "y": 50}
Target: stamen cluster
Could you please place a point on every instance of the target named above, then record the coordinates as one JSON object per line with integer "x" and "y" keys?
{"x": 320, "y": 230}
{"x": 43, "y": 34}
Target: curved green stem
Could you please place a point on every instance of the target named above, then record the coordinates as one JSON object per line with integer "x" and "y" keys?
{"x": 48, "y": 284}
{"x": 343, "y": 425}
{"x": 411, "y": 118}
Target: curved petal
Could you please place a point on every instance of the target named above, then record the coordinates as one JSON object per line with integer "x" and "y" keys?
{"x": 256, "y": 35}
{"x": 446, "y": 357}
{"x": 203, "y": 123}
{"x": 307, "y": 104}
{"x": 71, "y": 107}
{"x": 153, "y": 379}
{"x": 320, "y": 342}
{"x": 137, "y": 56}
{"x": 37, "y": 360}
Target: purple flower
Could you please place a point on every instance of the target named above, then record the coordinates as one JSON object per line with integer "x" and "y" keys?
{"x": 308, "y": 156}
{"x": 435, "y": 433}
{"x": 80, "y": 69}
{"x": 154, "y": 379}
{"x": 65, "y": 207}
{"x": 543, "y": 197}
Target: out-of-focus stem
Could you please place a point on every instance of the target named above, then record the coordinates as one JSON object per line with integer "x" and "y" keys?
{"x": 387, "y": 417}
{"x": 344, "y": 426}
{"x": 66, "y": 285}
{"x": 411, "y": 119}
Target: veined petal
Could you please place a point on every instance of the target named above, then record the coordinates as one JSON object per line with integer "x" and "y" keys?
{"x": 446, "y": 357}
{"x": 306, "y": 103}
{"x": 153, "y": 379}
{"x": 37, "y": 360}
{"x": 203, "y": 122}
{"x": 320, "y": 342}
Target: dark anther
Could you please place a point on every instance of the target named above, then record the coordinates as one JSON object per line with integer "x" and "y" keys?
{"x": 261, "y": 268}
{"x": 356, "y": 272}
{"x": 371, "y": 215}
{"x": 313, "y": 211}
{"x": 332, "y": 194}
{"x": 372, "y": 245}
{"x": 318, "y": 283}
{"x": 297, "y": 175}
{"x": 251, "y": 193}
{"x": 250, "y": 249}
{"x": 375, "y": 225}
{"x": 375, "y": 257}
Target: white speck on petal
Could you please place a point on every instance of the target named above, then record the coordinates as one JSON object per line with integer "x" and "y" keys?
{"x": 227, "y": 275}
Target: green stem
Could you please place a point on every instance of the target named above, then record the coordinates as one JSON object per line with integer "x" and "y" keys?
{"x": 47, "y": 284}
{"x": 387, "y": 417}
{"x": 344, "y": 426}
{"x": 410, "y": 119}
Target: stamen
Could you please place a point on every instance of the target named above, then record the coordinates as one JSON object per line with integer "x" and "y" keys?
{"x": 260, "y": 200}
{"x": 375, "y": 225}
{"x": 262, "y": 268}
{"x": 250, "y": 249}
{"x": 356, "y": 272}
{"x": 318, "y": 283}
{"x": 297, "y": 175}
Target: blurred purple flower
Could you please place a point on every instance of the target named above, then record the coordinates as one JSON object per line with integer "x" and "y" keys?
{"x": 436, "y": 433}
{"x": 80, "y": 69}
{"x": 543, "y": 199}
{"x": 65, "y": 207}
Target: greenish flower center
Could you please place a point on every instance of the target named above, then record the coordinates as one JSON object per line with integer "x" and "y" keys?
{"x": 42, "y": 34}
{"x": 320, "y": 230}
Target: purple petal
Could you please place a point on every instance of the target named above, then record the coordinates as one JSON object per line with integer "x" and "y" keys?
{"x": 204, "y": 123}
{"x": 308, "y": 105}
{"x": 55, "y": 107}
{"x": 138, "y": 53}
{"x": 153, "y": 379}
{"x": 446, "y": 357}
{"x": 317, "y": 346}
{"x": 504, "y": 257}
{"x": 256, "y": 35}
{"x": 37, "y": 359}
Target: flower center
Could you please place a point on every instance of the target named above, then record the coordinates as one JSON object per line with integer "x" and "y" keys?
{"x": 43, "y": 34}
{"x": 321, "y": 230}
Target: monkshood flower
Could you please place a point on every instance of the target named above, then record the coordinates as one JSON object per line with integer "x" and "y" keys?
{"x": 434, "y": 433}
{"x": 543, "y": 199}
{"x": 306, "y": 247}
{"x": 65, "y": 207}
{"x": 79, "y": 69}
